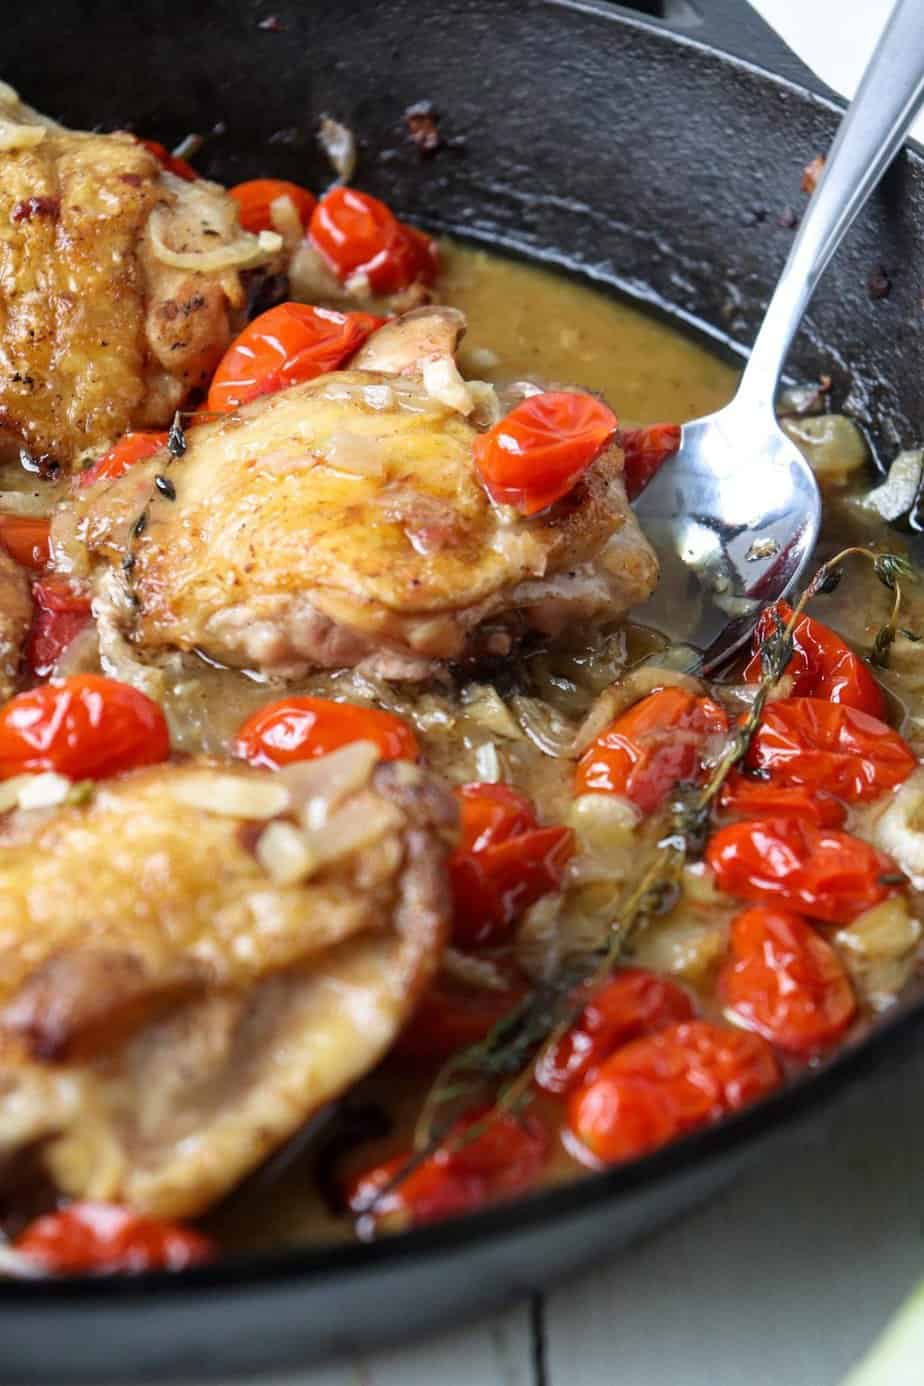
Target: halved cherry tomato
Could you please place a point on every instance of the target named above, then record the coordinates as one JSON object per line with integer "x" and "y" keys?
{"x": 179, "y": 167}
{"x": 746, "y": 798}
{"x": 26, "y": 538}
{"x": 536, "y": 453}
{"x": 645, "y": 450}
{"x": 830, "y": 746}
{"x": 667, "y": 1084}
{"x": 131, "y": 448}
{"x": 105, "y": 1237}
{"x": 511, "y": 864}
{"x": 784, "y": 981}
{"x": 358, "y": 234}
{"x": 820, "y": 872}
{"x": 822, "y": 666}
{"x": 451, "y": 1016}
{"x": 627, "y": 1006}
{"x": 302, "y": 728}
{"x": 651, "y": 748}
{"x": 504, "y": 1159}
{"x": 255, "y": 197}
{"x": 62, "y": 610}
{"x": 85, "y": 727}
{"x": 284, "y": 346}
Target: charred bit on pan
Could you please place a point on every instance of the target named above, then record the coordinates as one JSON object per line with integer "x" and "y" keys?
{"x": 811, "y": 174}
{"x": 878, "y": 283}
{"x": 422, "y": 124}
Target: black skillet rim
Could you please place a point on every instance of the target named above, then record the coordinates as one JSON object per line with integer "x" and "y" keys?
{"x": 807, "y": 1093}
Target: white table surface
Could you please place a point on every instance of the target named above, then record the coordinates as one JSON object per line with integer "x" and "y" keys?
{"x": 787, "y": 1278}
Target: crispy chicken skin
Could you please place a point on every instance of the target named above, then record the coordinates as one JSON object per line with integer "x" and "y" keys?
{"x": 169, "y": 1012}
{"x": 98, "y": 333}
{"x": 342, "y": 522}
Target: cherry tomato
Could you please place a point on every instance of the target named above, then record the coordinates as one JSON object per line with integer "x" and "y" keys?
{"x": 504, "y": 1159}
{"x": 358, "y": 234}
{"x": 85, "y": 727}
{"x": 179, "y": 167}
{"x": 61, "y": 612}
{"x": 105, "y": 1237}
{"x": 651, "y": 748}
{"x": 504, "y": 863}
{"x": 131, "y": 448}
{"x": 784, "y": 981}
{"x": 822, "y": 666}
{"x": 284, "y": 346}
{"x": 830, "y": 746}
{"x": 746, "y": 798}
{"x": 819, "y": 872}
{"x": 645, "y": 449}
{"x": 631, "y": 1004}
{"x": 536, "y": 454}
{"x": 667, "y": 1084}
{"x": 255, "y": 197}
{"x": 302, "y": 728}
{"x": 451, "y": 1016}
{"x": 26, "y": 538}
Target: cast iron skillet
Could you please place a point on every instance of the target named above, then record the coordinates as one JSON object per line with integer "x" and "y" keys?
{"x": 635, "y": 152}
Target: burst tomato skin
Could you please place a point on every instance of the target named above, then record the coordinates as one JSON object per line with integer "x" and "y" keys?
{"x": 633, "y": 1003}
{"x": 537, "y": 453}
{"x": 503, "y": 1160}
{"x": 783, "y": 980}
{"x": 822, "y": 665}
{"x": 830, "y": 746}
{"x": 61, "y": 611}
{"x": 646, "y": 450}
{"x": 303, "y": 728}
{"x": 665, "y": 1085}
{"x": 651, "y": 748}
{"x": 503, "y": 864}
{"x": 742, "y": 797}
{"x": 357, "y": 234}
{"x": 286, "y": 345}
{"x": 450, "y": 1016}
{"x": 255, "y": 197}
{"x": 85, "y": 727}
{"x": 101, "y": 1238}
{"x": 819, "y": 872}
{"x": 131, "y": 448}
{"x": 179, "y": 167}
{"x": 27, "y": 539}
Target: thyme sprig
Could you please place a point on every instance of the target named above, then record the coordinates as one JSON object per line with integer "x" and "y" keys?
{"x": 503, "y": 1063}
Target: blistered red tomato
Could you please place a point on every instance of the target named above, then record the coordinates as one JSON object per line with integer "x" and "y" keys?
{"x": 646, "y": 449}
{"x": 358, "y": 234}
{"x": 819, "y": 872}
{"x": 302, "y": 728}
{"x": 451, "y": 1016}
{"x": 85, "y": 727}
{"x": 505, "y": 1158}
{"x": 504, "y": 863}
{"x": 667, "y": 1084}
{"x": 829, "y": 746}
{"x": 255, "y": 198}
{"x": 132, "y": 448}
{"x": 26, "y": 538}
{"x": 822, "y": 666}
{"x": 286, "y": 345}
{"x": 785, "y": 981}
{"x": 743, "y": 797}
{"x": 99, "y": 1238}
{"x": 651, "y": 748}
{"x": 172, "y": 162}
{"x": 633, "y": 1003}
{"x": 536, "y": 453}
{"x": 61, "y": 611}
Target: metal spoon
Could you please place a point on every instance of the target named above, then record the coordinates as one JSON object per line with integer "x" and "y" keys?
{"x": 734, "y": 515}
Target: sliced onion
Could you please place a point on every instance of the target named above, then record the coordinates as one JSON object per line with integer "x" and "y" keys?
{"x": 472, "y": 971}
{"x": 338, "y": 143}
{"x": 630, "y": 689}
{"x": 228, "y": 795}
{"x": 246, "y": 251}
{"x": 443, "y": 382}
{"x": 546, "y": 728}
{"x": 317, "y": 787}
{"x": 284, "y": 853}
{"x": 353, "y": 453}
{"x": 359, "y": 824}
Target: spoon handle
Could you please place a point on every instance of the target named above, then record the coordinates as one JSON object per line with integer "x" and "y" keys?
{"x": 870, "y": 135}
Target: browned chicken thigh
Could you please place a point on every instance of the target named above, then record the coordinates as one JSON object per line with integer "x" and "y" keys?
{"x": 342, "y": 522}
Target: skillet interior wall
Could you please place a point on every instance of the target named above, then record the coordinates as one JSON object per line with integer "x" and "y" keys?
{"x": 583, "y": 136}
